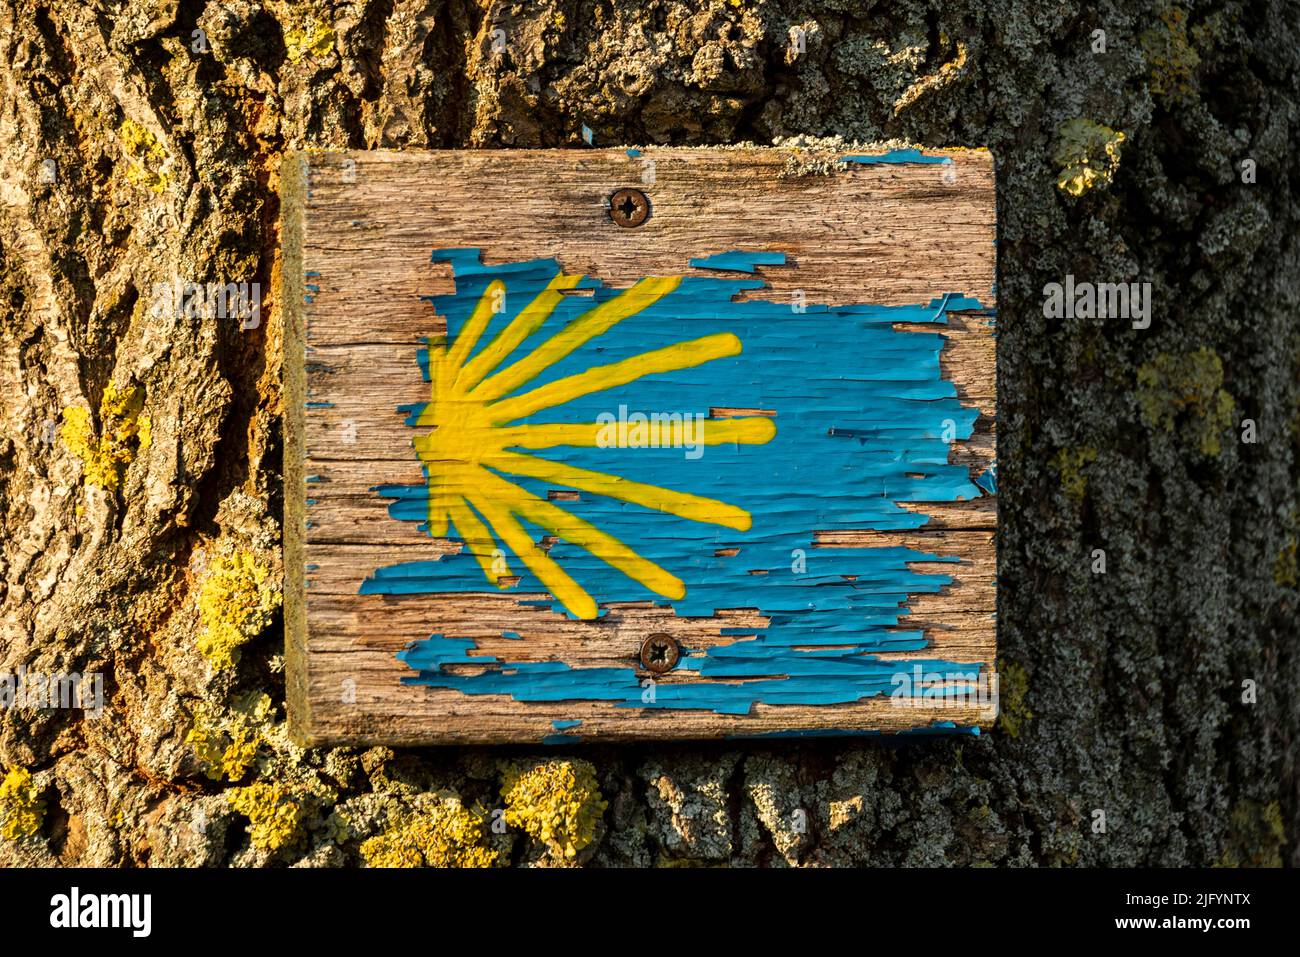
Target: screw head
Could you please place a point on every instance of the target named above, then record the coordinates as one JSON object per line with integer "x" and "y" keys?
{"x": 629, "y": 207}
{"x": 660, "y": 653}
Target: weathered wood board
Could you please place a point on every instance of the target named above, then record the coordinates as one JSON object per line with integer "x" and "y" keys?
{"x": 483, "y": 473}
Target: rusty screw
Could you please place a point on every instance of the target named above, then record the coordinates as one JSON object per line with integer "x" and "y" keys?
{"x": 629, "y": 207}
{"x": 660, "y": 653}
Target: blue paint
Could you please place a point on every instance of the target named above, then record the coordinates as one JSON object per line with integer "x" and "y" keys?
{"x": 944, "y": 727}
{"x": 988, "y": 479}
{"x": 565, "y": 725}
{"x": 895, "y": 157}
{"x": 848, "y": 677}
{"x": 862, "y": 409}
{"x": 633, "y": 153}
{"x": 739, "y": 261}
{"x": 314, "y": 478}
{"x": 937, "y": 728}
{"x": 320, "y": 405}
{"x": 512, "y": 635}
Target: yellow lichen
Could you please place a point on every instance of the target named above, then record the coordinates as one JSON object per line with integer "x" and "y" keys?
{"x": 143, "y": 432}
{"x": 443, "y": 834}
{"x": 227, "y": 746}
{"x": 1070, "y": 463}
{"x": 21, "y": 807}
{"x": 556, "y": 802}
{"x": 315, "y": 38}
{"x": 274, "y": 815}
{"x": 1013, "y": 689}
{"x": 1088, "y": 154}
{"x": 843, "y": 813}
{"x": 1286, "y": 569}
{"x": 1187, "y": 388}
{"x": 1256, "y": 836}
{"x": 237, "y": 602}
{"x": 1170, "y": 56}
{"x": 147, "y": 157}
{"x": 124, "y": 432}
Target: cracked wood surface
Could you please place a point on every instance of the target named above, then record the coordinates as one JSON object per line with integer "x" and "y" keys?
{"x": 362, "y": 226}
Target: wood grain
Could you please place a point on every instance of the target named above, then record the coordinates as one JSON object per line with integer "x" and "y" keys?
{"x": 361, "y": 225}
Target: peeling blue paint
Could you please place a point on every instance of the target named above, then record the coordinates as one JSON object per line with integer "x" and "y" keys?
{"x": 895, "y": 157}
{"x": 565, "y": 725}
{"x": 861, "y": 413}
{"x": 944, "y": 727}
{"x": 938, "y": 727}
{"x": 988, "y": 479}
{"x": 833, "y": 677}
{"x": 739, "y": 261}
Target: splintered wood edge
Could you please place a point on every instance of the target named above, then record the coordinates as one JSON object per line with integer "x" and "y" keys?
{"x": 293, "y": 200}
{"x": 977, "y": 514}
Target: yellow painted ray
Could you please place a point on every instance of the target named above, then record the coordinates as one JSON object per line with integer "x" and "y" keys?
{"x": 437, "y": 515}
{"x": 478, "y": 540}
{"x": 449, "y": 482}
{"x": 557, "y": 581}
{"x": 445, "y": 360}
{"x": 697, "y": 508}
{"x": 478, "y": 321}
{"x": 531, "y": 318}
{"x": 753, "y": 430}
{"x": 588, "y": 537}
{"x": 471, "y": 435}
{"x": 680, "y": 355}
{"x": 594, "y": 322}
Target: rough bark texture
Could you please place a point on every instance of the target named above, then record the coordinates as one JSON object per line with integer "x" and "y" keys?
{"x": 1162, "y": 692}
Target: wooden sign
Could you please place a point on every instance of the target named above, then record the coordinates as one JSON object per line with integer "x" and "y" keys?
{"x": 612, "y": 444}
